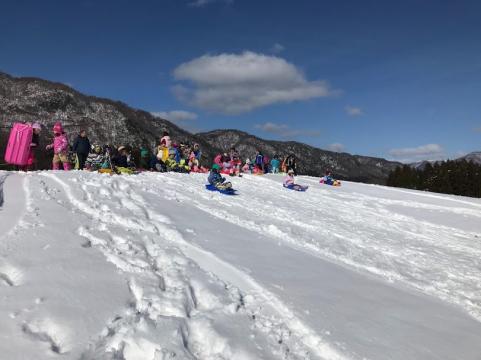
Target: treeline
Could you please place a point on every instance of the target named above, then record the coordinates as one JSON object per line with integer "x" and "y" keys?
{"x": 448, "y": 177}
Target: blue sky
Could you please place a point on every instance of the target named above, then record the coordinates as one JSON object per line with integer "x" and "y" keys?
{"x": 395, "y": 79}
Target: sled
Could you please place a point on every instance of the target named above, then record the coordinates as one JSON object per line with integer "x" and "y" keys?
{"x": 297, "y": 187}
{"x": 334, "y": 183}
{"x": 18, "y": 147}
{"x": 225, "y": 192}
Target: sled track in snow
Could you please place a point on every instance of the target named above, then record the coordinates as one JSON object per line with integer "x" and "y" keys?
{"x": 2, "y": 181}
{"x": 363, "y": 233}
{"x": 149, "y": 292}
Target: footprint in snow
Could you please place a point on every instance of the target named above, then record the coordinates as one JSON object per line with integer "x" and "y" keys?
{"x": 10, "y": 275}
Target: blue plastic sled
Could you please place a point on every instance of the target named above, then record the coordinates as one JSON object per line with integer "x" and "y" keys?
{"x": 225, "y": 192}
{"x": 297, "y": 187}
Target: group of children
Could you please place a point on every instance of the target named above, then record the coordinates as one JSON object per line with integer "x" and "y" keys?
{"x": 230, "y": 163}
{"x": 166, "y": 157}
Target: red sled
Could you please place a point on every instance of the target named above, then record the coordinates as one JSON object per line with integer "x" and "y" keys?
{"x": 18, "y": 147}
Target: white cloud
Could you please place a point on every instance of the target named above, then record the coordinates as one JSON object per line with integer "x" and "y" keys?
{"x": 336, "y": 147}
{"x": 423, "y": 152}
{"x": 277, "y": 48}
{"x": 202, "y": 3}
{"x": 285, "y": 131}
{"x": 238, "y": 83}
{"x": 353, "y": 111}
{"x": 175, "y": 115}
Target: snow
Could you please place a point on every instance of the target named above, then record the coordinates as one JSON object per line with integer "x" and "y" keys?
{"x": 153, "y": 266}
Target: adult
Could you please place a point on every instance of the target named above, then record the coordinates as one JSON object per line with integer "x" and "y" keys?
{"x": 81, "y": 147}
{"x": 259, "y": 161}
{"x": 291, "y": 163}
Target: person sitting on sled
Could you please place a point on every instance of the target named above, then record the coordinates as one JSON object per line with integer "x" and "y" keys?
{"x": 289, "y": 181}
{"x": 95, "y": 159}
{"x": 123, "y": 158}
{"x": 327, "y": 179}
{"x": 216, "y": 179}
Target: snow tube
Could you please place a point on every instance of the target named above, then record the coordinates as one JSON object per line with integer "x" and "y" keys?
{"x": 296, "y": 187}
{"x": 225, "y": 192}
{"x": 18, "y": 147}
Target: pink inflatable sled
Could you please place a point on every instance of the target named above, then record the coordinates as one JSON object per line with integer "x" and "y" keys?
{"x": 18, "y": 147}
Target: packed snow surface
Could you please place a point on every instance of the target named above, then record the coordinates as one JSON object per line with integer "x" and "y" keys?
{"x": 153, "y": 267}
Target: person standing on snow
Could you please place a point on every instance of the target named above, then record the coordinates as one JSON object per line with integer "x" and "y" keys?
{"x": 81, "y": 147}
{"x": 275, "y": 164}
{"x": 60, "y": 148}
{"x": 31, "y": 161}
{"x": 291, "y": 163}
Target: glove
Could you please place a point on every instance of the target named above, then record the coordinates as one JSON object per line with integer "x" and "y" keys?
{"x": 48, "y": 147}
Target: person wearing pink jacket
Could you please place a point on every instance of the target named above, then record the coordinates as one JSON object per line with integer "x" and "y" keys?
{"x": 60, "y": 148}
{"x": 289, "y": 182}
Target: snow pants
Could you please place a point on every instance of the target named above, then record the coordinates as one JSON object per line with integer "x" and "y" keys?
{"x": 61, "y": 158}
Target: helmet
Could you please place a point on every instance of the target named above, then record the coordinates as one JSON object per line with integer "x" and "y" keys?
{"x": 121, "y": 148}
{"x": 215, "y": 167}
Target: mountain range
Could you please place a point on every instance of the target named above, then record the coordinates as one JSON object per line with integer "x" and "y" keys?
{"x": 25, "y": 99}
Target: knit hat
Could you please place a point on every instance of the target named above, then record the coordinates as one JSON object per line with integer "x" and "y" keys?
{"x": 215, "y": 167}
{"x": 37, "y": 126}
{"x": 290, "y": 171}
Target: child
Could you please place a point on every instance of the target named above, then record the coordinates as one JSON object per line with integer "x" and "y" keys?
{"x": 31, "y": 161}
{"x": 60, "y": 148}
{"x": 247, "y": 166}
{"x": 289, "y": 182}
{"x": 217, "y": 180}
{"x": 144, "y": 158}
{"x": 235, "y": 163}
{"x": 95, "y": 159}
{"x": 275, "y": 164}
{"x": 165, "y": 140}
{"x": 122, "y": 159}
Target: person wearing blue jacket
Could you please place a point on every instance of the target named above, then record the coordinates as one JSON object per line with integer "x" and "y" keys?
{"x": 275, "y": 165}
{"x": 81, "y": 147}
{"x": 216, "y": 179}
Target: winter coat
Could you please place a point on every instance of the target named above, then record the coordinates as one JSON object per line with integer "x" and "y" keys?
{"x": 121, "y": 161}
{"x": 215, "y": 178}
{"x": 289, "y": 180}
{"x": 197, "y": 154}
{"x": 259, "y": 159}
{"x": 81, "y": 145}
{"x": 275, "y": 163}
{"x": 60, "y": 144}
{"x": 94, "y": 161}
{"x": 291, "y": 162}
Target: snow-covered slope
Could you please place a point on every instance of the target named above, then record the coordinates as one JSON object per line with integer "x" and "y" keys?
{"x": 155, "y": 267}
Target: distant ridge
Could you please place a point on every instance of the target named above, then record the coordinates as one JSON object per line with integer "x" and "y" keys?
{"x": 29, "y": 99}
